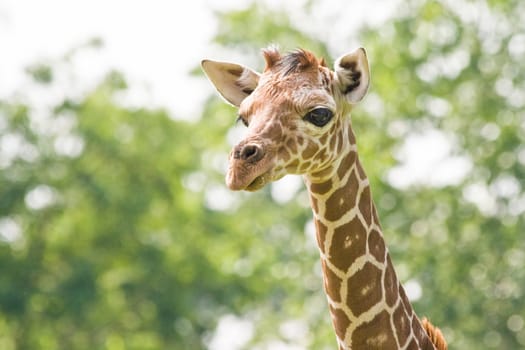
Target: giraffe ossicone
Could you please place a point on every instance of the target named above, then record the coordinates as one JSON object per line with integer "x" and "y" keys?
{"x": 297, "y": 112}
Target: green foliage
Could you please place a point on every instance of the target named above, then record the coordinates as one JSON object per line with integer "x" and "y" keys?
{"x": 111, "y": 237}
{"x": 117, "y": 232}
{"x": 41, "y": 73}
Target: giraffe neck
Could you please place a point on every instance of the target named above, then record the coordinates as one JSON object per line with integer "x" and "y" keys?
{"x": 368, "y": 305}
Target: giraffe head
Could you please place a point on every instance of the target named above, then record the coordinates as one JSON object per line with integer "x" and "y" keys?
{"x": 296, "y": 112}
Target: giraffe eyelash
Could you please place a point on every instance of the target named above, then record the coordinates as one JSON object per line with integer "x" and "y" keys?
{"x": 240, "y": 118}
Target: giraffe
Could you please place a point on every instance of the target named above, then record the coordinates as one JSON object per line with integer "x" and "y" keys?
{"x": 297, "y": 114}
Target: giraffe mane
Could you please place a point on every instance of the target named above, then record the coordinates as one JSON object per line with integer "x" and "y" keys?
{"x": 435, "y": 335}
{"x": 296, "y": 61}
{"x": 271, "y": 56}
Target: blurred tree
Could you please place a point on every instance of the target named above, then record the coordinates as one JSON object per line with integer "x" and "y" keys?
{"x": 116, "y": 231}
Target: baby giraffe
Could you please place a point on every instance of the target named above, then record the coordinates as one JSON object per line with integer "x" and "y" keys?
{"x": 298, "y": 117}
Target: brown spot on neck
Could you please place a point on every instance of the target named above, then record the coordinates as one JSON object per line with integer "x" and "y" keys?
{"x": 346, "y": 164}
{"x": 402, "y": 324}
{"x": 376, "y": 246}
{"x": 322, "y": 187}
{"x": 376, "y": 334}
{"x": 348, "y": 243}
{"x": 321, "y": 231}
{"x": 391, "y": 284}
{"x": 343, "y": 199}
{"x": 364, "y": 289}
{"x": 340, "y": 321}
{"x": 365, "y": 205}
{"x": 332, "y": 283}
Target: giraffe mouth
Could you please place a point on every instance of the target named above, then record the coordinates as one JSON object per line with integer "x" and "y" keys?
{"x": 246, "y": 183}
{"x": 257, "y": 183}
{"x": 242, "y": 178}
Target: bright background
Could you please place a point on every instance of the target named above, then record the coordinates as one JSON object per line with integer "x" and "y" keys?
{"x": 154, "y": 44}
{"x": 116, "y": 230}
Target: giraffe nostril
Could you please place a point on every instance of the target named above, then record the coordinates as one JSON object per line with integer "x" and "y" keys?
{"x": 250, "y": 153}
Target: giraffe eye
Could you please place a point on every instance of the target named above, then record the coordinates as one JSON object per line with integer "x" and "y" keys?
{"x": 319, "y": 116}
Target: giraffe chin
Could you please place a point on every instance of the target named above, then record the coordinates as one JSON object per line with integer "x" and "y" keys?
{"x": 255, "y": 185}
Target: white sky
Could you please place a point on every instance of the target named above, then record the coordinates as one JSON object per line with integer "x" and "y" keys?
{"x": 155, "y": 43}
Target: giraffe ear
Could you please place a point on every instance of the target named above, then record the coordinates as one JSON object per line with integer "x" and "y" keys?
{"x": 353, "y": 75}
{"x": 234, "y": 82}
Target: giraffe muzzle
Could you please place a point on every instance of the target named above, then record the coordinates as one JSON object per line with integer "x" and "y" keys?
{"x": 249, "y": 167}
